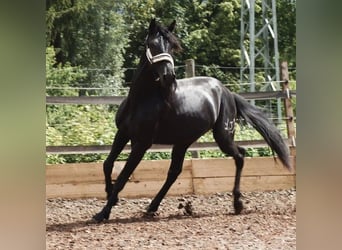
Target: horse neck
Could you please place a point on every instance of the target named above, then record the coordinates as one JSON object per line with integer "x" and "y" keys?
{"x": 143, "y": 84}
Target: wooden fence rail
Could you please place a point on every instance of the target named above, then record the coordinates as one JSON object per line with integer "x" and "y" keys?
{"x": 96, "y": 149}
{"x": 155, "y": 148}
{"x": 118, "y": 99}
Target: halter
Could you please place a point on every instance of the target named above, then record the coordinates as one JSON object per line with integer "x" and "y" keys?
{"x": 159, "y": 57}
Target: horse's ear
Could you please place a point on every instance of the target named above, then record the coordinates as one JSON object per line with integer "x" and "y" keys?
{"x": 152, "y": 27}
{"x": 172, "y": 26}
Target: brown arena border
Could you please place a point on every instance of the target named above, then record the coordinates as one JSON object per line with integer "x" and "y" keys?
{"x": 199, "y": 176}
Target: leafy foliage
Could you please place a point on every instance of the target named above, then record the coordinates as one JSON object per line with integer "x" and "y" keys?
{"x": 73, "y": 125}
{"x": 59, "y": 75}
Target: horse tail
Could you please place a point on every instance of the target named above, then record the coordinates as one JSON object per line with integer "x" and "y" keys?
{"x": 268, "y": 130}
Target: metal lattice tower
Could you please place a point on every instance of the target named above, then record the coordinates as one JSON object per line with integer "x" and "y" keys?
{"x": 259, "y": 45}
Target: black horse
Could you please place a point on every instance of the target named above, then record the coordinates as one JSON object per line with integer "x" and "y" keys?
{"x": 164, "y": 110}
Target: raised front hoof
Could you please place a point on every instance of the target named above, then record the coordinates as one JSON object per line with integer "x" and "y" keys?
{"x": 238, "y": 207}
{"x": 101, "y": 216}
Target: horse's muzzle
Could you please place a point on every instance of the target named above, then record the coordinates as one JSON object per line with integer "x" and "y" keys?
{"x": 167, "y": 80}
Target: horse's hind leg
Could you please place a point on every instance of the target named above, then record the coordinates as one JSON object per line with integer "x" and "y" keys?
{"x": 225, "y": 141}
{"x": 119, "y": 143}
{"x": 239, "y": 162}
{"x": 178, "y": 153}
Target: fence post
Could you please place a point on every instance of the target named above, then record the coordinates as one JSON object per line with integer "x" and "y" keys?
{"x": 189, "y": 68}
{"x": 291, "y": 132}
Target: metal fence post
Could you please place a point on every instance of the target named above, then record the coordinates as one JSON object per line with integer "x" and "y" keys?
{"x": 291, "y": 132}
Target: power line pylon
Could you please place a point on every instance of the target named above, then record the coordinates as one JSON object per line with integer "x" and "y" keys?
{"x": 259, "y": 46}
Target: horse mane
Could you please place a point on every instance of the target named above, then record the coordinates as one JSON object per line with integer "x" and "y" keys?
{"x": 164, "y": 31}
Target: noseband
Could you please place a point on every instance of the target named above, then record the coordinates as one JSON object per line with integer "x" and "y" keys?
{"x": 158, "y": 58}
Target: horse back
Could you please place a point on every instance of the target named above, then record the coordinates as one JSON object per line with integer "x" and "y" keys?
{"x": 194, "y": 109}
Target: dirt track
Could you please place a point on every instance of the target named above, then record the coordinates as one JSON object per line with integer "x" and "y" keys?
{"x": 267, "y": 222}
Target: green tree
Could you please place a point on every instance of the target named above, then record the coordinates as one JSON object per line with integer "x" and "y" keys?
{"x": 90, "y": 34}
{"x": 286, "y": 18}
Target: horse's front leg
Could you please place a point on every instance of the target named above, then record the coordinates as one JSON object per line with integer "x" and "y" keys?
{"x": 138, "y": 150}
{"x": 119, "y": 143}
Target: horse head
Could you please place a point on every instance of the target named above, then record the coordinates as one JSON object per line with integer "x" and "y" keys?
{"x": 160, "y": 46}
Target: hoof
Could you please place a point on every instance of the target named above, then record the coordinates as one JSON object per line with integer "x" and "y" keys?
{"x": 149, "y": 214}
{"x": 151, "y": 209}
{"x": 238, "y": 206}
{"x": 99, "y": 217}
